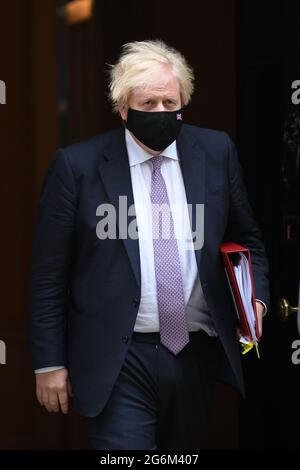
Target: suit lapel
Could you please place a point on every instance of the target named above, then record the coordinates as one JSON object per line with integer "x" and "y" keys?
{"x": 192, "y": 160}
{"x": 115, "y": 174}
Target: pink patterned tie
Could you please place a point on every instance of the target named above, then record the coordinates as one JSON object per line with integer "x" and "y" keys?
{"x": 171, "y": 306}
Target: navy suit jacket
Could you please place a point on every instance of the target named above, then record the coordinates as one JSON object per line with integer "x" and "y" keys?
{"x": 85, "y": 292}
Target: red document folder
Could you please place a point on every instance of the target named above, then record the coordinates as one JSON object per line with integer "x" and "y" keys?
{"x": 229, "y": 253}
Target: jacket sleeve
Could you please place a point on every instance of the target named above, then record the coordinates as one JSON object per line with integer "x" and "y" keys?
{"x": 50, "y": 265}
{"x": 242, "y": 228}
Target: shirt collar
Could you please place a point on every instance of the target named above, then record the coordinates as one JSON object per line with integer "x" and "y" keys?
{"x": 137, "y": 155}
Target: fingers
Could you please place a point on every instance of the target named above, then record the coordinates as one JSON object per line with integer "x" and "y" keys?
{"x": 45, "y": 400}
{"x": 260, "y": 313}
{"x": 63, "y": 398}
{"x": 50, "y": 401}
{"x": 63, "y": 401}
{"x": 260, "y": 326}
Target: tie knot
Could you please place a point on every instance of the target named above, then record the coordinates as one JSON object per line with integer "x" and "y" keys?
{"x": 156, "y": 162}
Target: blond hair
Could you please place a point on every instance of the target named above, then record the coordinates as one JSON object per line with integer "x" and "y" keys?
{"x": 134, "y": 68}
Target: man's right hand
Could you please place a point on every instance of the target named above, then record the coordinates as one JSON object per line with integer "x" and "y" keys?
{"x": 53, "y": 390}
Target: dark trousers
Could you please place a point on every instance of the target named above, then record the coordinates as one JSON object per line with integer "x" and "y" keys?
{"x": 159, "y": 401}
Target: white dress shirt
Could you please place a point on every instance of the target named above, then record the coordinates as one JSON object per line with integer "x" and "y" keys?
{"x": 141, "y": 172}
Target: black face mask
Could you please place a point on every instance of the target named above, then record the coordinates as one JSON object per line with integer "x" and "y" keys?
{"x": 155, "y": 129}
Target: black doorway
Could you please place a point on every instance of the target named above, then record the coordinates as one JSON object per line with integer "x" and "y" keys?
{"x": 268, "y": 59}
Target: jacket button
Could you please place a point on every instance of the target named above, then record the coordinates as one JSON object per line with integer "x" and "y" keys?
{"x": 135, "y": 302}
{"x": 125, "y": 339}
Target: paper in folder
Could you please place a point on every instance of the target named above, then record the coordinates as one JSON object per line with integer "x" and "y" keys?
{"x": 238, "y": 268}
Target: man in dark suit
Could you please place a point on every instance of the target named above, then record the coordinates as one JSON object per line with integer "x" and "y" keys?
{"x": 140, "y": 324}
